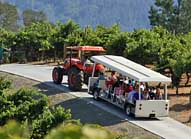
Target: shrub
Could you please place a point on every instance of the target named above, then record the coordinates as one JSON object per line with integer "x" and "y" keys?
{"x": 6, "y": 57}
{"x": 48, "y": 120}
{"x": 20, "y": 57}
{"x": 7, "y": 110}
{"x": 4, "y": 84}
{"x": 29, "y": 103}
{"x": 73, "y": 131}
{"x": 14, "y": 130}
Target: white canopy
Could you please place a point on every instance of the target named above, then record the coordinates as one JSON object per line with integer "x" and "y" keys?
{"x": 130, "y": 69}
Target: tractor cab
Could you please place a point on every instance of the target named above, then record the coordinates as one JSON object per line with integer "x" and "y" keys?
{"x": 78, "y": 66}
{"x": 80, "y": 56}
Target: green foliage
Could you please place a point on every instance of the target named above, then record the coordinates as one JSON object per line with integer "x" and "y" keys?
{"x": 42, "y": 125}
{"x": 8, "y": 16}
{"x": 6, "y": 38}
{"x": 13, "y": 130}
{"x": 49, "y": 119}
{"x": 6, "y": 57}
{"x": 4, "y": 84}
{"x": 172, "y": 15}
{"x": 105, "y": 34}
{"x": 29, "y": 103}
{"x": 118, "y": 43}
{"x": 7, "y": 110}
{"x": 143, "y": 46}
{"x": 67, "y": 130}
{"x": 60, "y": 115}
{"x": 20, "y": 57}
{"x": 73, "y": 131}
{"x": 30, "y": 16}
{"x": 31, "y": 106}
{"x": 35, "y": 39}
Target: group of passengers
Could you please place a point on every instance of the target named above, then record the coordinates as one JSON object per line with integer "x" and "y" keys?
{"x": 130, "y": 88}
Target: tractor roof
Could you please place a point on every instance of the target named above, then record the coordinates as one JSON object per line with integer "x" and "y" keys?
{"x": 87, "y": 48}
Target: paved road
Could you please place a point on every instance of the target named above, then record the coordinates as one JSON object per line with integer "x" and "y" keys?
{"x": 164, "y": 127}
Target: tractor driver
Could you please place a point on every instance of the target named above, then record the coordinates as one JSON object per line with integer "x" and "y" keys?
{"x": 87, "y": 62}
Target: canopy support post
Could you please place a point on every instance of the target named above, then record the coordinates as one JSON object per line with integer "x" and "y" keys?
{"x": 93, "y": 69}
{"x": 165, "y": 91}
{"x": 139, "y": 91}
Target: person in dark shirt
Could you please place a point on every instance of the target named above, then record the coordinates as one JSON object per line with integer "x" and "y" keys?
{"x": 152, "y": 93}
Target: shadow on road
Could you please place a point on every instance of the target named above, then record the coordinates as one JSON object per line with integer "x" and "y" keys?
{"x": 180, "y": 107}
{"x": 89, "y": 113}
{"x": 51, "y": 88}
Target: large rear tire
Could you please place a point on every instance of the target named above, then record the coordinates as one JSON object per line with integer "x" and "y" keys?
{"x": 75, "y": 79}
{"x": 57, "y": 75}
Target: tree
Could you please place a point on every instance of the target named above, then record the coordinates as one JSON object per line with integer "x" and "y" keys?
{"x": 66, "y": 34}
{"x": 105, "y": 34}
{"x": 8, "y": 16}
{"x": 174, "y": 16}
{"x": 185, "y": 16}
{"x": 117, "y": 44}
{"x": 6, "y": 38}
{"x": 35, "y": 39}
{"x": 143, "y": 46}
{"x": 30, "y": 16}
{"x": 173, "y": 56}
{"x": 162, "y": 14}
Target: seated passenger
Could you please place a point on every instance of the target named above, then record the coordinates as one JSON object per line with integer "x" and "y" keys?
{"x": 117, "y": 83}
{"x": 113, "y": 77}
{"x": 100, "y": 77}
{"x": 111, "y": 80}
{"x": 158, "y": 94}
{"x": 152, "y": 93}
{"x": 133, "y": 82}
{"x": 142, "y": 87}
{"x": 130, "y": 96}
{"x": 125, "y": 86}
{"x": 146, "y": 94}
{"x": 134, "y": 95}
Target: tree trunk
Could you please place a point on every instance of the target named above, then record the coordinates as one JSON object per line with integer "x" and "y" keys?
{"x": 42, "y": 56}
{"x": 177, "y": 90}
{"x": 188, "y": 77}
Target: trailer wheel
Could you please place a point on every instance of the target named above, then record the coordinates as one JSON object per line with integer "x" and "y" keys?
{"x": 96, "y": 95}
{"x": 128, "y": 110}
{"x": 57, "y": 75}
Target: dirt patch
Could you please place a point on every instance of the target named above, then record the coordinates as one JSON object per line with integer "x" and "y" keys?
{"x": 86, "y": 112}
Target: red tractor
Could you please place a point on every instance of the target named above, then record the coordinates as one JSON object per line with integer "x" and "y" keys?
{"x": 77, "y": 70}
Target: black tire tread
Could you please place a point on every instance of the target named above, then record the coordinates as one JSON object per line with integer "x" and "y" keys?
{"x": 60, "y": 75}
{"x": 79, "y": 79}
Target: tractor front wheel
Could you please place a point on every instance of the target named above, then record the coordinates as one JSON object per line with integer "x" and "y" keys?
{"x": 57, "y": 75}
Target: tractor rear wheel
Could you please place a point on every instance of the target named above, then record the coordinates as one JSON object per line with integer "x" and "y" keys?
{"x": 75, "y": 79}
{"x": 57, "y": 75}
